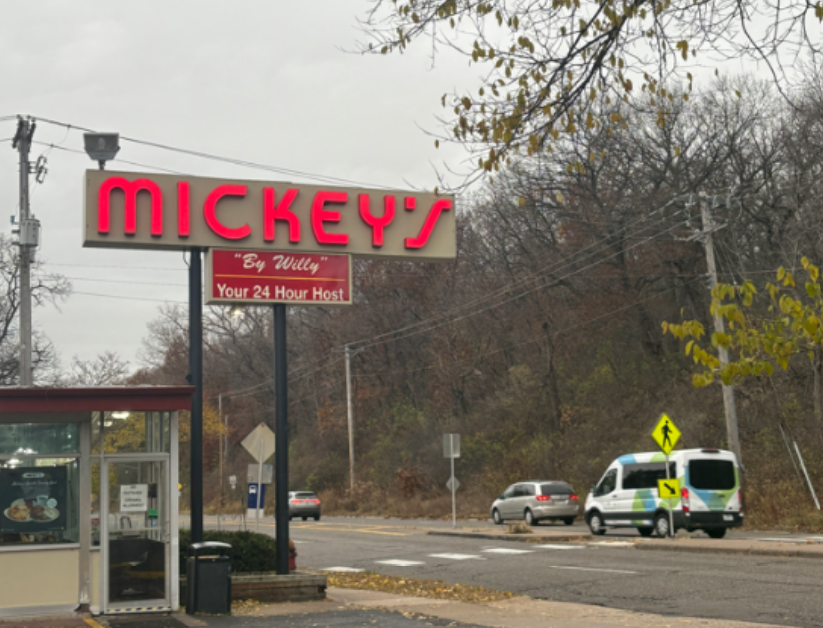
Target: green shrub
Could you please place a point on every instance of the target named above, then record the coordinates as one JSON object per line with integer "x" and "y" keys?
{"x": 252, "y": 552}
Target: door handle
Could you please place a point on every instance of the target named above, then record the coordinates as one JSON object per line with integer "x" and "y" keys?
{"x": 614, "y": 495}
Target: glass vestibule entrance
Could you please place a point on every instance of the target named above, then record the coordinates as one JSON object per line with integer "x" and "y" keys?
{"x": 138, "y": 531}
{"x": 137, "y": 509}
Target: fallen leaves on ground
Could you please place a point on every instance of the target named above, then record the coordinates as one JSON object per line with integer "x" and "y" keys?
{"x": 414, "y": 587}
{"x": 245, "y": 607}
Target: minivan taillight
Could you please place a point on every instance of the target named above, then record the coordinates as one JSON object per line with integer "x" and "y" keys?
{"x": 684, "y": 495}
{"x": 740, "y": 500}
{"x": 544, "y": 498}
{"x": 573, "y": 497}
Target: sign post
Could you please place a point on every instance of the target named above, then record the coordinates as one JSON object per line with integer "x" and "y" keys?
{"x": 666, "y": 434}
{"x": 260, "y": 444}
{"x": 451, "y": 450}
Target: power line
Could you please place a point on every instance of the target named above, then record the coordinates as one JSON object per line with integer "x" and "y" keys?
{"x": 231, "y": 160}
{"x": 532, "y": 341}
{"x": 554, "y": 266}
{"x": 109, "y": 266}
{"x": 130, "y": 280}
{"x": 431, "y": 328}
{"x": 469, "y": 314}
{"x": 125, "y": 298}
{"x": 122, "y": 161}
{"x": 433, "y": 324}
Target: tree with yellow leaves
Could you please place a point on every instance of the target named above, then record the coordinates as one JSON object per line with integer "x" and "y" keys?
{"x": 792, "y": 328}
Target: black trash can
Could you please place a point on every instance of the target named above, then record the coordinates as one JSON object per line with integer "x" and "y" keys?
{"x": 208, "y": 579}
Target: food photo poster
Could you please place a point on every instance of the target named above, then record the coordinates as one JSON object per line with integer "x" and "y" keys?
{"x": 33, "y": 499}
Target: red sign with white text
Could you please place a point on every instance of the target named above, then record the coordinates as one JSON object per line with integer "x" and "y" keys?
{"x": 243, "y": 276}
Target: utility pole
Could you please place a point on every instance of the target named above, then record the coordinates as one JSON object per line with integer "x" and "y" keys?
{"x": 728, "y": 391}
{"x": 351, "y": 418}
{"x": 28, "y": 240}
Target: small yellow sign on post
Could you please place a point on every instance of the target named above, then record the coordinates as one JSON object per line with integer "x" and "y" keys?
{"x": 668, "y": 489}
{"x": 666, "y": 434}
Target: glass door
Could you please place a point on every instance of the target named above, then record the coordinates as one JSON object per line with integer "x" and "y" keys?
{"x": 137, "y": 536}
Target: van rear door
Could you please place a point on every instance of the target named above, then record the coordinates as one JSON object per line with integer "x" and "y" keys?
{"x": 713, "y": 484}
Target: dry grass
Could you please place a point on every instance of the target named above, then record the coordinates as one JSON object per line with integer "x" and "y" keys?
{"x": 781, "y": 505}
{"x": 415, "y": 587}
{"x": 368, "y": 500}
{"x": 519, "y": 527}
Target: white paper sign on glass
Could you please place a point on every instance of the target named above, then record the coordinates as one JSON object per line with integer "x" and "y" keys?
{"x": 134, "y": 498}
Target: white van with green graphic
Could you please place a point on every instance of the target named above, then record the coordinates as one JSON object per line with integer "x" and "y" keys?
{"x": 627, "y": 494}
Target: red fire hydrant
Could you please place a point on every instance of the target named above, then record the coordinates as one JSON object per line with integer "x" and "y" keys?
{"x": 292, "y": 556}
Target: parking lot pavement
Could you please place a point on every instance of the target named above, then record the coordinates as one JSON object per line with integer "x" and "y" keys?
{"x": 330, "y": 615}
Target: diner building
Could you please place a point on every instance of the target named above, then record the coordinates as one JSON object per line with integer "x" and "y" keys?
{"x": 89, "y": 499}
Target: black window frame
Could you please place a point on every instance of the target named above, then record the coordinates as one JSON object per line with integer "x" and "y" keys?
{"x": 708, "y": 462}
{"x": 647, "y": 474}
{"x": 598, "y": 491}
{"x": 556, "y": 489}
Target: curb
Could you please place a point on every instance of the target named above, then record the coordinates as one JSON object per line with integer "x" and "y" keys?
{"x": 719, "y": 549}
{"x": 524, "y": 538}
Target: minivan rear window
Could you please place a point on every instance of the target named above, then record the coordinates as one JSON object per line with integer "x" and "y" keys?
{"x": 305, "y": 495}
{"x": 715, "y": 475}
{"x": 555, "y": 489}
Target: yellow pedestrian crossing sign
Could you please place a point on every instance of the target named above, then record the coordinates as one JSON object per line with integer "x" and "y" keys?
{"x": 666, "y": 434}
{"x": 668, "y": 489}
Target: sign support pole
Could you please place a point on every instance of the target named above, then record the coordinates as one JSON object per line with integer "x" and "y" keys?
{"x": 454, "y": 505}
{"x": 671, "y": 512}
{"x": 259, "y": 488}
{"x": 196, "y": 379}
{"x": 281, "y": 440}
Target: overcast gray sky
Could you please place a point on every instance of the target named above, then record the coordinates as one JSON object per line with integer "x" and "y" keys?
{"x": 261, "y": 81}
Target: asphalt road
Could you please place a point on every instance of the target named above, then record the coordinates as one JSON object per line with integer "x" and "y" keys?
{"x": 751, "y": 588}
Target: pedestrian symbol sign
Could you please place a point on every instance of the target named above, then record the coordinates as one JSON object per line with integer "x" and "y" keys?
{"x": 666, "y": 434}
{"x": 668, "y": 489}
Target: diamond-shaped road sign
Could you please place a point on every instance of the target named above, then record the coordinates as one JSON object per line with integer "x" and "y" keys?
{"x": 260, "y": 443}
{"x": 666, "y": 434}
{"x": 668, "y": 489}
{"x": 453, "y": 484}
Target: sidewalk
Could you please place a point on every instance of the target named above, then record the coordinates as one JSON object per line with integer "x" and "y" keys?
{"x": 356, "y": 608}
{"x": 353, "y": 607}
{"x": 729, "y": 546}
{"x": 523, "y": 612}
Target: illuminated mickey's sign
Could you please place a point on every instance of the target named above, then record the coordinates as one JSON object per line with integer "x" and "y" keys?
{"x": 130, "y": 210}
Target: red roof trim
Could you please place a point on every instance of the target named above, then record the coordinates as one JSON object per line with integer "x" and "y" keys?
{"x": 136, "y": 398}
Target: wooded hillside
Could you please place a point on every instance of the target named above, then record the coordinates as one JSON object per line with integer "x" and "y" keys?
{"x": 542, "y": 343}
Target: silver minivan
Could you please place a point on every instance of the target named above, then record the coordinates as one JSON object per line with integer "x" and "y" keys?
{"x": 535, "y": 501}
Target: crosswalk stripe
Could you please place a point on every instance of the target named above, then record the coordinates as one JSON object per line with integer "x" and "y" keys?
{"x": 507, "y": 550}
{"x": 592, "y": 569}
{"x": 559, "y": 547}
{"x": 457, "y": 556}
{"x": 344, "y": 569}
{"x": 397, "y": 562}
